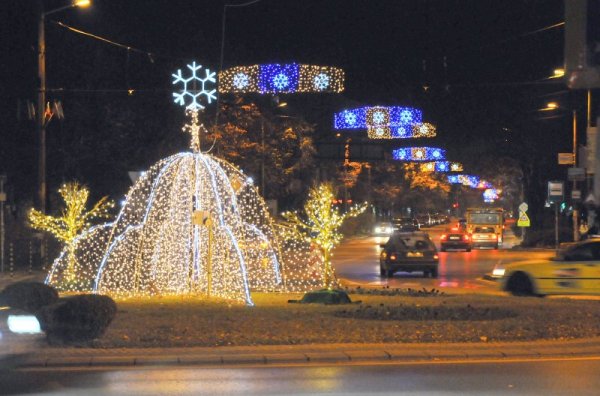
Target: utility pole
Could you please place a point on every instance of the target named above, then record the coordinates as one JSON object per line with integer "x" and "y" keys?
{"x": 575, "y": 211}
{"x": 41, "y": 120}
{"x": 2, "y": 231}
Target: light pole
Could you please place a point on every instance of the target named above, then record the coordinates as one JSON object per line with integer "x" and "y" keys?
{"x": 554, "y": 106}
{"x": 41, "y": 100}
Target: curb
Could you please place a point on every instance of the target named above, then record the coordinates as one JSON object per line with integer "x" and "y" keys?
{"x": 310, "y": 354}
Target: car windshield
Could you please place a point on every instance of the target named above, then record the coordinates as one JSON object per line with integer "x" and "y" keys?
{"x": 411, "y": 242}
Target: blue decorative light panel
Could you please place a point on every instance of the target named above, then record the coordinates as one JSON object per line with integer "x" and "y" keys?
{"x": 454, "y": 179}
{"x": 377, "y": 116}
{"x": 419, "y": 154}
{"x": 281, "y": 78}
{"x": 441, "y": 166}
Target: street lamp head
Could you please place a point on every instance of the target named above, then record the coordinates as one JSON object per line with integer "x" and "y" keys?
{"x": 82, "y": 3}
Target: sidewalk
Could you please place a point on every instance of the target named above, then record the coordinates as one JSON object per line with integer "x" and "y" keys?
{"x": 309, "y": 354}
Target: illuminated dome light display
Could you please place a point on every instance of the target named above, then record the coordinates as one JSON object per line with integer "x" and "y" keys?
{"x": 281, "y": 78}
{"x": 193, "y": 224}
{"x": 441, "y": 166}
{"x": 419, "y": 154}
{"x": 373, "y": 116}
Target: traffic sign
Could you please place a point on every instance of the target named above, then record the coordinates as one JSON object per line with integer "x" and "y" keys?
{"x": 565, "y": 159}
{"x": 576, "y": 174}
{"x": 556, "y": 191}
{"x": 523, "y": 207}
{"x": 523, "y": 220}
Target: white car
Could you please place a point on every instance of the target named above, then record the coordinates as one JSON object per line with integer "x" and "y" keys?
{"x": 383, "y": 229}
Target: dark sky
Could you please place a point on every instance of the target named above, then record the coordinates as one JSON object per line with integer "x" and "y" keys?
{"x": 482, "y": 61}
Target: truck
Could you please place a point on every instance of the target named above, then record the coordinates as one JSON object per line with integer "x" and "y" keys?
{"x": 486, "y": 217}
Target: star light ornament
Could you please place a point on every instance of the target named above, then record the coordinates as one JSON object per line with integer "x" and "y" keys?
{"x": 194, "y": 90}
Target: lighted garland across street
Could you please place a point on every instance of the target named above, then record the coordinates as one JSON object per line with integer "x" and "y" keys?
{"x": 469, "y": 181}
{"x": 418, "y": 154}
{"x": 281, "y": 78}
{"x": 377, "y": 116}
{"x": 425, "y": 130}
{"x": 441, "y": 166}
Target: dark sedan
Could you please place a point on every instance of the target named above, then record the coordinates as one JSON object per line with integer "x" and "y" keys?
{"x": 455, "y": 238}
{"x": 409, "y": 252}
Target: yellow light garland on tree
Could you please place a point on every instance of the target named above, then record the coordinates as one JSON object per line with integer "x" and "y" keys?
{"x": 73, "y": 220}
{"x": 320, "y": 223}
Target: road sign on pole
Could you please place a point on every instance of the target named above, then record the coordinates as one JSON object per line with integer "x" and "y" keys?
{"x": 556, "y": 191}
{"x": 523, "y": 220}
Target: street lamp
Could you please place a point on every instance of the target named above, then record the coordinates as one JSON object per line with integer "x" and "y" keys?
{"x": 555, "y": 106}
{"x": 41, "y": 99}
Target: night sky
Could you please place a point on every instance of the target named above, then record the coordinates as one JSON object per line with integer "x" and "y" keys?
{"x": 476, "y": 68}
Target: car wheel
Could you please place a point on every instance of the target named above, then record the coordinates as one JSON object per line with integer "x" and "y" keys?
{"x": 426, "y": 274}
{"x": 519, "y": 284}
{"x": 434, "y": 272}
{"x": 468, "y": 249}
{"x": 496, "y": 247}
{"x": 382, "y": 271}
{"x": 442, "y": 249}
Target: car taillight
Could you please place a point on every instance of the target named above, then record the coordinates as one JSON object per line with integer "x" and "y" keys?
{"x": 435, "y": 257}
{"x": 393, "y": 256}
{"x": 444, "y": 237}
{"x": 466, "y": 237}
{"x": 495, "y": 236}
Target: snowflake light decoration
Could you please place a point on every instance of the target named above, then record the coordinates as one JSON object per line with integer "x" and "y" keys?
{"x": 281, "y": 78}
{"x": 321, "y": 81}
{"x": 240, "y": 80}
{"x": 378, "y": 117}
{"x": 194, "y": 87}
{"x": 419, "y": 154}
{"x": 281, "y": 81}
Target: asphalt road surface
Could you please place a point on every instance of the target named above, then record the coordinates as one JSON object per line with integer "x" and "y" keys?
{"x": 503, "y": 377}
{"x": 357, "y": 260}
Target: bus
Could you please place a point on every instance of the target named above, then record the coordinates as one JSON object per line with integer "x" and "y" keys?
{"x": 486, "y": 217}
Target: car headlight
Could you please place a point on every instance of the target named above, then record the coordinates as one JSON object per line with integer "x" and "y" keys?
{"x": 27, "y": 324}
{"x": 498, "y": 272}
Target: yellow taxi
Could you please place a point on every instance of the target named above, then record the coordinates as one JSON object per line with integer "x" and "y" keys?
{"x": 574, "y": 270}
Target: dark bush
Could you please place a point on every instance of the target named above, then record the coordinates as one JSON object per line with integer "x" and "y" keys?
{"x": 28, "y": 296}
{"x": 78, "y": 318}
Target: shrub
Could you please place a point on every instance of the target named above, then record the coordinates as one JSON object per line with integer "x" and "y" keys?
{"x": 28, "y": 296}
{"x": 78, "y": 318}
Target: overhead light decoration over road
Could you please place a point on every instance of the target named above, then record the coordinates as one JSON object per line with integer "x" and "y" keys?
{"x": 419, "y": 154}
{"x": 281, "y": 78}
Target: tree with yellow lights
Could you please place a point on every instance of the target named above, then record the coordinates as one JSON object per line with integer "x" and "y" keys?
{"x": 320, "y": 224}
{"x": 73, "y": 219}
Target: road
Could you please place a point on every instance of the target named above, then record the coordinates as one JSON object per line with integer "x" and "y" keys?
{"x": 356, "y": 261}
{"x": 524, "y": 377}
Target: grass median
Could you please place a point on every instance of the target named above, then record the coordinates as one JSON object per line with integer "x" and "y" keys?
{"x": 401, "y": 318}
